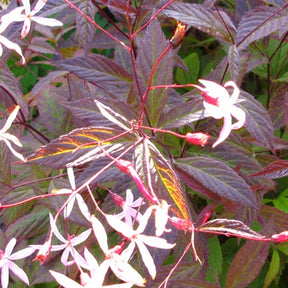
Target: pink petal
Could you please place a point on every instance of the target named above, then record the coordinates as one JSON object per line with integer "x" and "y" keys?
{"x": 64, "y": 280}
{"x": 236, "y": 92}
{"x": 38, "y": 6}
{"x": 11, "y": 45}
{"x": 100, "y": 233}
{"x": 125, "y": 272}
{"x": 4, "y": 275}
{"x": 156, "y": 242}
{"x": 240, "y": 115}
{"x": 10, "y": 246}
{"x": 225, "y": 131}
{"x": 26, "y": 28}
{"x": 120, "y": 226}
{"x": 147, "y": 259}
{"x": 18, "y": 272}
{"x": 55, "y": 230}
{"x": 81, "y": 237}
{"x": 46, "y": 21}
{"x": 27, "y": 7}
{"x": 13, "y": 16}
{"x": 23, "y": 253}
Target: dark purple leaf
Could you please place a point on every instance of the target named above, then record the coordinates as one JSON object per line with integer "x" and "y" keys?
{"x": 182, "y": 114}
{"x": 278, "y": 111}
{"x": 206, "y": 20}
{"x": 155, "y": 169}
{"x": 218, "y": 177}
{"x": 80, "y": 146}
{"x": 97, "y": 69}
{"x": 234, "y": 63}
{"x": 258, "y": 23}
{"x": 230, "y": 228}
{"x": 274, "y": 170}
{"x": 151, "y": 46}
{"x": 85, "y": 28}
{"x": 258, "y": 121}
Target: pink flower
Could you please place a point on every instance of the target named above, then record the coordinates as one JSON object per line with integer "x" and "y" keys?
{"x": 197, "y": 138}
{"x": 128, "y": 205}
{"x": 68, "y": 245}
{"x": 118, "y": 263}
{"x": 16, "y": 15}
{"x": 94, "y": 280}
{"x": 7, "y": 137}
{"x": 137, "y": 238}
{"x": 219, "y": 104}
{"x": 6, "y": 263}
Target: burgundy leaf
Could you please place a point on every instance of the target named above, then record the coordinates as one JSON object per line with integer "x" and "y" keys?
{"x": 151, "y": 46}
{"x": 206, "y": 20}
{"x": 258, "y": 23}
{"x": 277, "y": 169}
{"x": 280, "y": 218}
{"x": 247, "y": 264}
{"x": 234, "y": 63}
{"x": 85, "y": 28}
{"x": 218, "y": 177}
{"x": 97, "y": 69}
{"x": 277, "y": 110}
{"x": 10, "y": 85}
{"x": 230, "y": 228}
{"x": 182, "y": 114}
{"x": 258, "y": 121}
{"x": 155, "y": 169}
{"x": 79, "y": 146}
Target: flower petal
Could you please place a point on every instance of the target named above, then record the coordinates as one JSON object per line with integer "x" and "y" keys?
{"x": 18, "y": 272}
{"x": 11, "y": 45}
{"x": 47, "y": 21}
{"x": 10, "y": 246}
{"x": 64, "y": 280}
{"x": 5, "y": 276}
{"x": 240, "y": 115}
{"x": 225, "y": 131}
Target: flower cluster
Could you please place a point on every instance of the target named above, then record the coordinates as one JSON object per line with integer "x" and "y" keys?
{"x": 26, "y": 15}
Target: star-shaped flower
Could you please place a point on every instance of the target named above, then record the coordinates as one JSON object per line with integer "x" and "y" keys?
{"x": 137, "y": 238}
{"x": 68, "y": 245}
{"x": 219, "y": 104}
{"x": 94, "y": 280}
{"x": 129, "y": 212}
{"x": 7, "y": 137}
{"x": 6, "y": 263}
{"x": 16, "y": 15}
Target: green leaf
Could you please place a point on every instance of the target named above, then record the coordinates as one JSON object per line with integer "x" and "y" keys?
{"x": 274, "y": 268}
{"x": 217, "y": 177}
{"x": 215, "y": 259}
{"x": 193, "y": 64}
